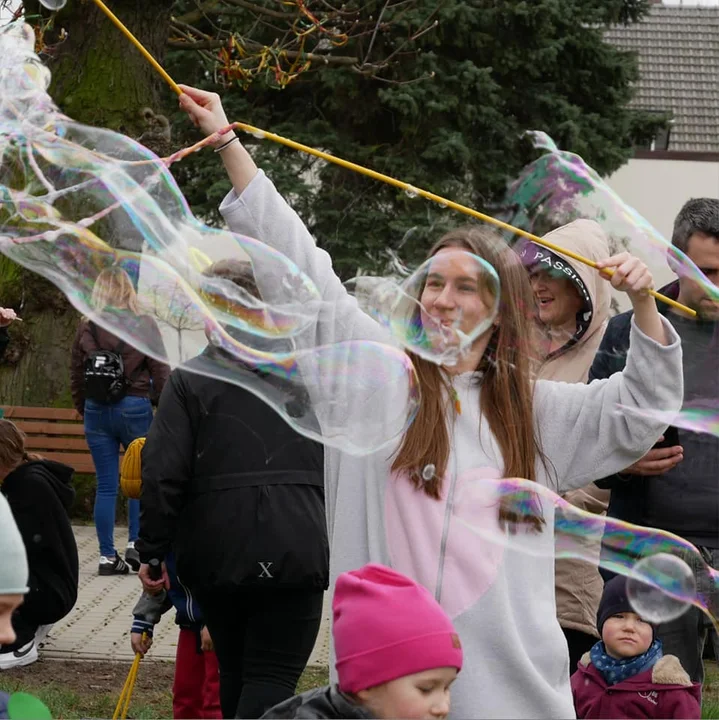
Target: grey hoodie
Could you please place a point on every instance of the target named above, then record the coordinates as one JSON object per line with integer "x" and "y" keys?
{"x": 500, "y": 599}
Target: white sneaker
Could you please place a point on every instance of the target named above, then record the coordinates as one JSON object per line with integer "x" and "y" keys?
{"x": 26, "y": 655}
{"x": 41, "y": 633}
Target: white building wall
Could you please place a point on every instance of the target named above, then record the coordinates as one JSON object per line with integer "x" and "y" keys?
{"x": 657, "y": 189}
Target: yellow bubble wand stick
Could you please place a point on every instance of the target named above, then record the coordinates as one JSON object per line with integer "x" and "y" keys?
{"x": 146, "y": 54}
{"x": 444, "y": 202}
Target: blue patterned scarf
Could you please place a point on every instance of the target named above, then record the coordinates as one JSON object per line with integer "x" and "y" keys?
{"x": 614, "y": 671}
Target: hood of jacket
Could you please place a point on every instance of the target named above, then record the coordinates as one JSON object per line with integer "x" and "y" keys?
{"x": 572, "y": 361}
{"x": 57, "y": 475}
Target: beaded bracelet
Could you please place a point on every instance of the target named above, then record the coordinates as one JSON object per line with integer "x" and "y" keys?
{"x": 227, "y": 144}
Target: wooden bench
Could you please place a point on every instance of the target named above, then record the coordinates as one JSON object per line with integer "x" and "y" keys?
{"x": 55, "y": 433}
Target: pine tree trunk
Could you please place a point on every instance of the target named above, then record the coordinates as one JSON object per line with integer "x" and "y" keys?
{"x": 98, "y": 78}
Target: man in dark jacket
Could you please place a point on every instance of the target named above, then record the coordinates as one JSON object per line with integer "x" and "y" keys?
{"x": 239, "y": 496}
{"x": 674, "y": 487}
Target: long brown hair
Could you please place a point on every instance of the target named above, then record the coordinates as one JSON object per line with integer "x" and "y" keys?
{"x": 506, "y": 397}
{"x": 12, "y": 447}
{"x": 114, "y": 289}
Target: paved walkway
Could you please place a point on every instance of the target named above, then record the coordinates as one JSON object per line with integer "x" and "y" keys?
{"x": 98, "y": 628}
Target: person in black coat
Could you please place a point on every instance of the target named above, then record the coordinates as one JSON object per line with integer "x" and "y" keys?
{"x": 40, "y": 495}
{"x": 238, "y": 495}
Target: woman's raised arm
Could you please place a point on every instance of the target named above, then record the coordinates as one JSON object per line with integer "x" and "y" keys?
{"x": 255, "y": 208}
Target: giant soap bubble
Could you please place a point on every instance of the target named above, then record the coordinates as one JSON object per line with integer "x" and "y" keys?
{"x": 78, "y": 201}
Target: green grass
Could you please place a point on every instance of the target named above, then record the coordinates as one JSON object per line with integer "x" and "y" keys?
{"x": 91, "y": 690}
{"x": 66, "y": 703}
{"x": 313, "y": 677}
{"x": 710, "y": 691}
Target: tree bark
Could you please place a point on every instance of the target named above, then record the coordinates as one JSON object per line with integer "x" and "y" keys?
{"x": 98, "y": 78}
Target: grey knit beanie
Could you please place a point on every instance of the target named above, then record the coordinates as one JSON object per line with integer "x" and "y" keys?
{"x": 13, "y": 560}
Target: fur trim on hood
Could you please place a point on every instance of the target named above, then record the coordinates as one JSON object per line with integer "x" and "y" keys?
{"x": 667, "y": 671}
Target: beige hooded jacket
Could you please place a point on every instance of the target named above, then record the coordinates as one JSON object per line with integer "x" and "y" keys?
{"x": 578, "y": 583}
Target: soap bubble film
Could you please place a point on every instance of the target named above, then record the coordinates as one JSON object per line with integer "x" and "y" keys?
{"x": 77, "y": 200}
{"x": 547, "y": 526}
{"x": 440, "y": 309}
{"x": 560, "y": 187}
{"x": 662, "y": 600}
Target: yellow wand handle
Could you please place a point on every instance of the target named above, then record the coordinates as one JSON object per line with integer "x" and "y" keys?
{"x": 123, "y": 703}
{"x": 444, "y": 202}
{"x": 138, "y": 45}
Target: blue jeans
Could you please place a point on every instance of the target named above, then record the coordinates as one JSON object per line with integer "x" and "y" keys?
{"x": 106, "y": 427}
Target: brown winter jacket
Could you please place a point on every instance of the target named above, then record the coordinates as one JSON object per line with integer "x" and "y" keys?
{"x": 578, "y": 585}
{"x": 140, "y": 368}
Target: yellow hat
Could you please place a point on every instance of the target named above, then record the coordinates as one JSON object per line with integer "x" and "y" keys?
{"x": 131, "y": 470}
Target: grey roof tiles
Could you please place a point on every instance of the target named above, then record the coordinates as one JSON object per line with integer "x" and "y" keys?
{"x": 678, "y": 51}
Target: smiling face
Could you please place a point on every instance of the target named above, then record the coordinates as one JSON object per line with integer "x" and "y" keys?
{"x": 455, "y": 294}
{"x": 626, "y": 635}
{"x": 558, "y": 301}
{"x": 422, "y": 696}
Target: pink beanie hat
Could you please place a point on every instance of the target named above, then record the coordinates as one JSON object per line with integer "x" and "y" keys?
{"x": 387, "y": 626}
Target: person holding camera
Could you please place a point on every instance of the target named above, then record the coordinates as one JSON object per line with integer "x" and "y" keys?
{"x": 111, "y": 385}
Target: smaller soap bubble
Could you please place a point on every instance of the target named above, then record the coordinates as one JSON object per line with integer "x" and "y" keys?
{"x": 411, "y": 192}
{"x": 53, "y": 4}
{"x": 428, "y": 472}
{"x": 667, "y": 591}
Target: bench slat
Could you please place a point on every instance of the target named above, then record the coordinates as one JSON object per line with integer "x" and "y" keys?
{"x": 81, "y": 462}
{"x": 49, "y": 428}
{"x": 46, "y": 438}
{"x": 56, "y": 443}
{"x": 40, "y": 413}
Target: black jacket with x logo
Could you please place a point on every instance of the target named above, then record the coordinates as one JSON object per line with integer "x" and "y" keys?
{"x": 230, "y": 485}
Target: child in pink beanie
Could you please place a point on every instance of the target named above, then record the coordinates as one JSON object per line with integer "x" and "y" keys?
{"x": 397, "y": 652}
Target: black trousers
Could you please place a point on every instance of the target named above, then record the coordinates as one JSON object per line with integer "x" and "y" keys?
{"x": 43, "y": 605}
{"x": 263, "y": 638}
{"x": 579, "y": 642}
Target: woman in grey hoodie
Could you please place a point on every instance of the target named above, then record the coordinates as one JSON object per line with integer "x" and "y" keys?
{"x": 380, "y": 506}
